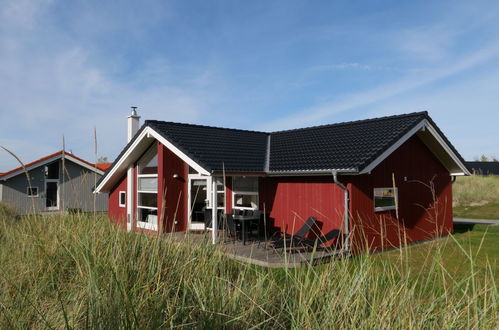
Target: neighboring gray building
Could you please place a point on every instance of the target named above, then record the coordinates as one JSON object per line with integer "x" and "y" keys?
{"x": 58, "y": 182}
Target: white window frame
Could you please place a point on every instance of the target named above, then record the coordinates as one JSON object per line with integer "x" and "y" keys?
{"x": 385, "y": 208}
{"x": 122, "y": 192}
{"x": 239, "y": 192}
{"x": 33, "y": 187}
{"x": 141, "y": 224}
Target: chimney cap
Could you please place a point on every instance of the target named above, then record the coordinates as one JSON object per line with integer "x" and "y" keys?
{"x": 134, "y": 110}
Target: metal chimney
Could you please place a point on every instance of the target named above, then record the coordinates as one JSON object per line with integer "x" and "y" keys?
{"x": 133, "y": 123}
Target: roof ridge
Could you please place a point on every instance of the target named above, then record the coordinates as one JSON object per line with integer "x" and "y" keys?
{"x": 205, "y": 126}
{"x": 360, "y": 121}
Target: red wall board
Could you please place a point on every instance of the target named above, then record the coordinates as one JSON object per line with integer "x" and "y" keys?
{"x": 289, "y": 201}
{"x": 115, "y": 211}
{"x": 175, "y": 217}
{"x": 424, "y": 196}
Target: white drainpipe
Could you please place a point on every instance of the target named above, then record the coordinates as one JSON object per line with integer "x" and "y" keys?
{"x": 346, "y": 219}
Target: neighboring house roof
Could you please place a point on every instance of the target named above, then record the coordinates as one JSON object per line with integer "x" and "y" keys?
{"x": 355, "y": 147}
{"x": 484, "y": 168}
{"x": 103, "y": 166}
{"x": 50, "y": 158}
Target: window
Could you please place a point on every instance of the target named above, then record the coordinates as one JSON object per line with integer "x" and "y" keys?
{"x": 52, "y": 171}
{"x": 245, "y": 193}
{"x": 147, "y": 190}
{"x": 385, "y": 199}
{"x": 122, "y": 198}
{"x": 220, "y": 193}
{"x": 32, "y": 191}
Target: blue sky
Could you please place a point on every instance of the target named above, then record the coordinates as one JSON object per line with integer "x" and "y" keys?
{"x": 67, "y": 66}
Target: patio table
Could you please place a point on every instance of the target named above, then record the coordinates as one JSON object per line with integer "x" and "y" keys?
{"x": 244, "y": 219}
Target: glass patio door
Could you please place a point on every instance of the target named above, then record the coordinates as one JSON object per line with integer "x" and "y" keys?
{"x": 198, "y": 202}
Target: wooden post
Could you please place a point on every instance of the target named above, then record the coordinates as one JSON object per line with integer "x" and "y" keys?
{"x": 214, "y": 220}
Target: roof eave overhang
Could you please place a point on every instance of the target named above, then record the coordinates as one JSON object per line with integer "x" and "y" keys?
{"x": 48, "y": 161}
{"x": 319, "y": 172}
{"x": 439, "y": 147}
{"x": 133, "y": 152}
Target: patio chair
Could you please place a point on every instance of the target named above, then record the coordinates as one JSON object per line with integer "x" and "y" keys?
{"x": 256, "y": 226}
{"x": 207, "y": 219}
{"x": 279, "y": 240}
{"x": 317, "y": 243}
{"x": 231, "y": 227}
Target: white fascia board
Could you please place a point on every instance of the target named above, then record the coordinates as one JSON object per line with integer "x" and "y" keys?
{"x": 393, "y": 147}
{"x": 449, "y": 151}
{"x": 29, "y": 168}
{"x": 122, "y": 163}
{"x": 50, "y": 160}
{"x": 82, "y": 164}
{"x": 176, "y": 151}
{"x": 424, "y": 124}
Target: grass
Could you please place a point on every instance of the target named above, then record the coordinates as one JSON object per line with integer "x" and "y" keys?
{"x": 487, "y": 211}
{"x": 80, "y": 271}
{"x": 476, "y": 197}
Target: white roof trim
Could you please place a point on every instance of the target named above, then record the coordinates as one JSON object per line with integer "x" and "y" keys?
{"x": 424, "y": 124}
{"x": 446, "y": 147}
{"x": 147, "y": 133}
{"x": 177, "y": 151}
{"x": 83, "y": 164}
{"x": 50, "y": 160}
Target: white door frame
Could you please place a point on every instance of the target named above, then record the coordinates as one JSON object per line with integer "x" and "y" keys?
{"x": 52, "y": 208}
{"x": 189, "y": 215}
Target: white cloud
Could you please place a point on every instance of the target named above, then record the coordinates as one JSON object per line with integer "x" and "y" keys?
{"x": 413, "y": 81}
{"x": 53, "y": 86}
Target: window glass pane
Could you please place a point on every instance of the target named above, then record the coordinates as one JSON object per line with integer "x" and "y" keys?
{"x": 52, "y": 171}
{"x": 384, "y": 198}
{"x": 220, "y": 200}
{"x": 33, "y": 191}
{"x": 148, "y": 184}
{"x": 220, "y": 184}
{"x": 148, "y": 200}
{"x": 148, "y": 164}
{"x": 244, "y": 200}
{"x": 148, "y": 216}
{"x": 122, "y": 198}
{"x": 245, "y": 184}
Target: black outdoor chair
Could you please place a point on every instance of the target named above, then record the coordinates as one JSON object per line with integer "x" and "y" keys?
{"x": 231, "y": 227}
{"x": 279, "y": 240}
{"x": 207, "y": 219}
{"x": 318, "y": 243}
{"x": 256, "y": 226}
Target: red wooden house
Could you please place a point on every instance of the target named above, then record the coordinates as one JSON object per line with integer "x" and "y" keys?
{"x": 381, "y": 181}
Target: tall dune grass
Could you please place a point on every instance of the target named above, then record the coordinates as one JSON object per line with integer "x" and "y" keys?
{"x": 81, "y": 271}
{"x": 476, "y": 189}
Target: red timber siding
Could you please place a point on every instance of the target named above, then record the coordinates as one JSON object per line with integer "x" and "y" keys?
{"x": 115, "y": 212}
{"x": 425, "y": 199}
{"x": 289, "y": 201}
{"x": 172, "y": 191}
